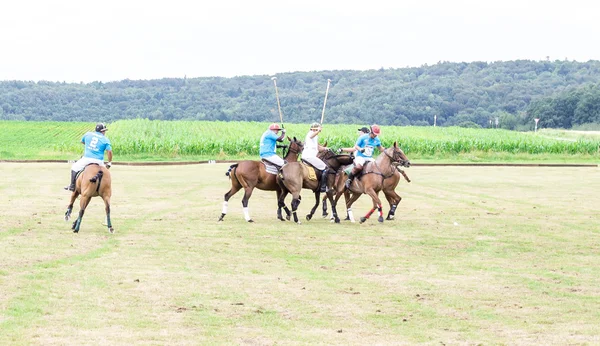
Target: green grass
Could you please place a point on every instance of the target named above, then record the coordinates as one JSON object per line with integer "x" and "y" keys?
{"x": 145, "y": 140}
{"x": 478, "y": 255}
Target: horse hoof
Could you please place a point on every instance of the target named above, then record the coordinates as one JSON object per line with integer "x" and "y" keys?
{"x": 111, "y": 230}
{"x": 67, "y": 217}
{"x": 299, "y": 222}
{"x": 337, "y": 220}
{"x": 324, "y": 215}
{"x": 288, "y": 218}
{"x": 380, "y": 219}
{"x": 308, "y": 217}
{"x": 389, "y": 218}
{"x": 250, "y": 220}
{"x": 75, "y": 231}
{"x": 363, "y": 219}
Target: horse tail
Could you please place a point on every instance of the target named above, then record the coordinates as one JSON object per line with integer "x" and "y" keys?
{"x": 230, "y": 169}
{"x": 97, "y": 176}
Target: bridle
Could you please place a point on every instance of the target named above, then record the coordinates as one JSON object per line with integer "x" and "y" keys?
{"x": 297, "y": 149}
{"x": 396, "y": 158}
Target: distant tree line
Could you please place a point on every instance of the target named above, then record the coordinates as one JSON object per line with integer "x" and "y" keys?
{"x": 560, "y": 93}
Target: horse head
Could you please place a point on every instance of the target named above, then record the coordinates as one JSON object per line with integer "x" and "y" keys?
{"x": 397, "y": 156}
{"x": 295, "y": 146}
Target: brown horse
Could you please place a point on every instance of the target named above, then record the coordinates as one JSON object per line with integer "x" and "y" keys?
{"x": 380, "y": 175}
{"x": 93, "y": 181}
{"x": 250, "y": 174}
{"x": 295, "y": 176}
{"x": 390, "y": 194}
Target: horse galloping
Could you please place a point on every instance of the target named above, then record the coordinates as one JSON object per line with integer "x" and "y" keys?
{"x": 251, "y": 174}
{"x": 380, "y": 175}
{"x": 94, "y": 181}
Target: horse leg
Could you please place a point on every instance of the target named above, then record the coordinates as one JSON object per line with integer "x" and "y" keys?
{"x": 325, "y": 206}
{"x": 393, "y": 199}
{"x": 247, "y": 194}
{"x": 350, "y": 199}
{"x": 346, "y": 197}
{"x": 314, "y": 208}
{"x": 295, "y": 204}
{"x": 281, "y": 204}
{"x": 83, "y": 203}
{"x": 70, "y": 206}
{"x": 107, "y": 208}
{"x": 234, "y": 189}
{"x": 376, "y": 204}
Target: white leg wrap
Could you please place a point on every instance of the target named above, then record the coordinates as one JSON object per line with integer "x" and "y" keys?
{"x": 246, "y": 214}
{"x": 350, "y": 215}
{"x": 225, "y": 204}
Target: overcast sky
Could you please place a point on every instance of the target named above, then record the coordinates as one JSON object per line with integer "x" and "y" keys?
{"x": 84, "y": 41}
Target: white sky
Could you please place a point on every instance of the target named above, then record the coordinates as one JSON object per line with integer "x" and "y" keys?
{"x": 84, "y": 41}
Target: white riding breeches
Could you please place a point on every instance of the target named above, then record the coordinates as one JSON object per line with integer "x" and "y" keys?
{"x": 274, "y": 159}
{"x": 84, "y": 161}
{"x": 316, "y": 162}
{"x": 360, "y": 161}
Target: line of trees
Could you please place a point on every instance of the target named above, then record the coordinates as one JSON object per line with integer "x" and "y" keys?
{"x": 560, "y": 93}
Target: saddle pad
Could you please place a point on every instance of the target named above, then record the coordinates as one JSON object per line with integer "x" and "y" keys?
{"x": 311, "y": 173}
{"x": 348, "y": 169}
{"x": 271, "y": 169}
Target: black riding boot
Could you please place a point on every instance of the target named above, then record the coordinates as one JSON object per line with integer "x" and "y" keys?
{"x": 324, "y": 176}
{"x": 349, "y": 180}
{"x": 72, "y": 186}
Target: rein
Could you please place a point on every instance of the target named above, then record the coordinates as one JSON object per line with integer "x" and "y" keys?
{"x": 393, "y": 166}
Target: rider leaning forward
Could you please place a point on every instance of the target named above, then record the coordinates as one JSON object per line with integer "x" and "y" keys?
{"x": 96, "y": 143}
{"x": 364, "y": 151}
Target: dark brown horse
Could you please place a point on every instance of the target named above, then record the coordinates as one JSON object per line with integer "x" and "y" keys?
{"x": 295, "y": 176}
{"x": 250, "y": 174}
{"x": 380, "y": 175}
{"x": 93, "y": 181}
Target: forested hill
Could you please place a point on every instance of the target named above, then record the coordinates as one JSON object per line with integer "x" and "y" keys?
{"x": 457, "y": 93}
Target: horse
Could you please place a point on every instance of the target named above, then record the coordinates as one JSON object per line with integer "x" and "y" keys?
{"x": 295, "y": 176}
{"x": 391, "y": 196}
{"x": 250, "y": 174}
{"x": 94, "y": 181}
{"x": 380, "y": 175}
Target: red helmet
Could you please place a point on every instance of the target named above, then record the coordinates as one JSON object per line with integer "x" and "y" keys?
{"x": 375, "y": 130}
{"x": 274, "y": 126}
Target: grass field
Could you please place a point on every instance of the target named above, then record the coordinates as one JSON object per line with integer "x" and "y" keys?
{"x": 476, "y": 256}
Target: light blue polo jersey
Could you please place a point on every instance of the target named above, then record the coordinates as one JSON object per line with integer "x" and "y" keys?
{"x": 268, "y": 141}
{"x": 95, "y": 145}
{"x": 365, "y": 141}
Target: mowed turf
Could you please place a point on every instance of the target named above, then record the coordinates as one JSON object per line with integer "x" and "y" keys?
{"x": 491, "y": 255}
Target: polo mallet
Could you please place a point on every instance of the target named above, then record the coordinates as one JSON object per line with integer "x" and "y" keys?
{"x": 278, "y": 104}
{"x": 325, "y": 102}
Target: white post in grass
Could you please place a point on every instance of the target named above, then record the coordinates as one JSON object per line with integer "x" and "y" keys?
{"x": 434, "y": 119}
{"x": 536, "y": 122}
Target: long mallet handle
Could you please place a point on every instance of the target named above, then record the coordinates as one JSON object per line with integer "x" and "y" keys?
{"x": 325, "y": 102}
{"x": 278, "y": 104}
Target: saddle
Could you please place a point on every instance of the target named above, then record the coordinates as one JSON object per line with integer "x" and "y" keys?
{"x": 81, "y": 171}
{"x": 349, "y": 169}
{"x": 270, "y": 167}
